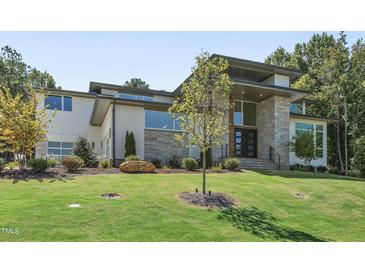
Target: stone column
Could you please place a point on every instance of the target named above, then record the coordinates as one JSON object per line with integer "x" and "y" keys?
{"x": 273, "y": 128}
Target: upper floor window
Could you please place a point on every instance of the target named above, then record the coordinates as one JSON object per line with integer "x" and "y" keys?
{"x": 245, "y": 113}
{"x": 161, "y": 120}
{"x": 134, "y": 97}
{"x": 58, "y": 102}
{"x": 296, "y": 108}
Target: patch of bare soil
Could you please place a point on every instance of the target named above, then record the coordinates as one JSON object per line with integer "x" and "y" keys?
{"x": 215, "y": 200}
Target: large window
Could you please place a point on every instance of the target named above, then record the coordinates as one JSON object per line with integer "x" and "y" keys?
{"x": 53, "y": 102}
{"x": 134, "y": 97}
{"x": 245, "y": 113}
{"x": 59, "y": 149}
{"x": 317, "y": 131}
{"x": 58, "y": 102}
{"x": 160, "y": 120}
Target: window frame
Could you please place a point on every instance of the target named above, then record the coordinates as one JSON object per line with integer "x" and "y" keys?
{"x": 298, "y": 105}
{"x": 174, "y": 122}
{"x": 61, "y": 147}
{"x": 62, "y": 102}
{"x": 314, "y": 131}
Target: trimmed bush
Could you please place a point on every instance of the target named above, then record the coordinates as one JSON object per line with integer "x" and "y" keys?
{"x": 298, "y": 167}
{"x": 72, "y": 163}
{"x": 231, "y": 163}
{"x": 189, "y": 163}
{"x": 2, "y": 164}
{"x": 174, "y": 162}
{"x": 104, "y": 163}
{"x": 52, "y": 162}
{"x": 38, "y": 165}
{"x": 84, "y": 150}
{"x": 12, "y": 165}
{"x": 132, "y": 157}
{"x": 321, "y": 169}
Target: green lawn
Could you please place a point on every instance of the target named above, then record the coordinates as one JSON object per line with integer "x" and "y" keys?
{"x": 334, "y": 209}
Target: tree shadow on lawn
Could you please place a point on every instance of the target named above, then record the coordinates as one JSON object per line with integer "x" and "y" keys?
{"x": 291, "y": 174}
{"x": 261, "y": 224}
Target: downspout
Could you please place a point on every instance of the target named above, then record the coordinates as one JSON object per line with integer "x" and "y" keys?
{"x": 113, "y": 133}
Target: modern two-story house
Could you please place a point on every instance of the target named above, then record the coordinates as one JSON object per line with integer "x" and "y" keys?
{"x": 267, "y": 114}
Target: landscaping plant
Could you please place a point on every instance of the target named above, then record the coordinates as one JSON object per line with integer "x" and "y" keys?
{"x": 129, "y": 145}
{"x": 132, "y": 157}
{"x": 304, "y": 147}
{"x": 231, "y": 163}
{"x": 105, "y": 163}
{"x": 174, "y": 162}
{"x": 2, "y": 164}
{"x": 190, "y": 164}
{"x": 84, "y": 150}
{"x": 38, "y": 165}
{"x": 72, "y": 163}
{"x": 203, "y": 107}
{"x": 358, "y": 161}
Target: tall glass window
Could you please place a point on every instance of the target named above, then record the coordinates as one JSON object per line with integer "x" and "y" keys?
{"x": 161, "y": 120}
{"x": 53, "y": 102}
{"x": 67, "y": 103}
{"x": 245, "y": 113}
{"x": 316, "y": 130}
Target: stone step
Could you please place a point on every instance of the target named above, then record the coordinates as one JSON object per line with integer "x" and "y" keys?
{"x": 254, "y": 163}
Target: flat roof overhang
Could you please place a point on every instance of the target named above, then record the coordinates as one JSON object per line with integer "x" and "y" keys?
{"x": 102, "y": 103}
{"x": 259, "y": 91}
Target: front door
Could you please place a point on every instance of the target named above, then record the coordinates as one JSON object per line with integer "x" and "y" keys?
{"x": 246, "y": 143}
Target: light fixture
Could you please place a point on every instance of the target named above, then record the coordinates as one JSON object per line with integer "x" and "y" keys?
{"x": 260, "y": 95}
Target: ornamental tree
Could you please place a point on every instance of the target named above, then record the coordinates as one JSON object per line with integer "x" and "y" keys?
{"x": 304, "y": 148}
{"x": 22, "y": 124}
{"x": 203, "y": 105}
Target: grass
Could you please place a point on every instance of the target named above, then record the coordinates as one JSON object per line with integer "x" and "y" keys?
{"x": 333, "y": 210}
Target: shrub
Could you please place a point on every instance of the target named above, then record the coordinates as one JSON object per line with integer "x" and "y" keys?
{"x": 231, "y": 163}
{"x": 322, "y": 169}
{"x": 298, "y": 167}
{"x": 358, "y": 161}
{"x": 304, "y": 148}
{"x": 105, "y": 163}
{"x": 174, "y": 162}
{"x": 38, "y": 165}
{"x": 132, "y": 157}
{"x": 156, "y": 162}
{"x": 52, "y": 162}
{"x": 72, "y": 163}
{"x": 83, "y": 149}
{"x": 189, "y": 163}
{"x": 12, "y": 165}
{"x": 2, "y": 164}
{"x": 166, "y": 168}
{"x": 129, "y": 145}
{"x": 217, "y": 168}
{"x": 208, "y": 158}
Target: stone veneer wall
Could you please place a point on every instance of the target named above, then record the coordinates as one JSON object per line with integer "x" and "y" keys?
{"x": 273, "y": 129}
{"x": 162, "y": 145}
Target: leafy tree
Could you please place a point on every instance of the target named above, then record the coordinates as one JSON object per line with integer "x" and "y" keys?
{"x": 304, "y": 148}
{"x": 15, "y": 74}
{"x": 84, "y": 150}
{"x": 203, "y": 106}
{"x": 136, "y": 83}
{"x": 358, "y": 160}
{"x": 129, "y": 145}
{"x": 279, "y": 57}
{"x": 22, "y": 123}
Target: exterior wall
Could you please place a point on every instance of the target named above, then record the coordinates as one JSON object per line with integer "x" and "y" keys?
{"x": 129, "y": 118}
{"x": 277, "y": 80}
{"x": 106, "y": 129}
{"x": 66, "y": 126}
{"x": 273, "y": 128}
{"x": 162, "y": 145}
{"x": 318, "y": 162}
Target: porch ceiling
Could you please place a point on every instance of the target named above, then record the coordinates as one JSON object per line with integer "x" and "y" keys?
{"x": 253, "y": 91}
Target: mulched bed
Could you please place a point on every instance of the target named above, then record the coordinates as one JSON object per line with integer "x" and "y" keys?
{"x": 53, "y": 173}
{"x": 216, "y": 200}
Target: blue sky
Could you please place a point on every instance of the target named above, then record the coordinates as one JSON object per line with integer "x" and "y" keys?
{"x": 162, "y": 59}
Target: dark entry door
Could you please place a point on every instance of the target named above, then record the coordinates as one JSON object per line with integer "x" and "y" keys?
{"x": 246, "y": 143}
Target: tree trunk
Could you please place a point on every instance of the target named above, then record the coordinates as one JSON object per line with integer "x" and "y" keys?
{"x": 339, "y": 146}
{"x": 345, "y": 138}
{"x": 204, "y": 167}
